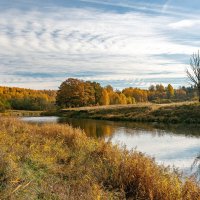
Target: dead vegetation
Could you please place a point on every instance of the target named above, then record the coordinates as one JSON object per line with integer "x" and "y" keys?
{"x": 58, "y": 162}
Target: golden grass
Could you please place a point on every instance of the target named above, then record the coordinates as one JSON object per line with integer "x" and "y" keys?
{"x": 58, "y": 162}
{"x": 21, "y": 113}
{"x": 183, "y": 112}
{"x": 153, "y": 106}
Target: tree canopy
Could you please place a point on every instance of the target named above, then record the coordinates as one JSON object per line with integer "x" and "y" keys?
{"x": 76, "y": 93}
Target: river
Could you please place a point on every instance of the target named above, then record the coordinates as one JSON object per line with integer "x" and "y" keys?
{"x": 171, "y": 145}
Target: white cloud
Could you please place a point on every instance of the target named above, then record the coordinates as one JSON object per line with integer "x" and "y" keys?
{"x": 74, "y": 40}
{"x": 185, "y": 24}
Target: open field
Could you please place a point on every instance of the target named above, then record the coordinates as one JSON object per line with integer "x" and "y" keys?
{"x": 58, "y": 162}
{"x": 184, "y": 112}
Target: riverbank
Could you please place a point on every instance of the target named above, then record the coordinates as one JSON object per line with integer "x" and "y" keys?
{"x": 184, "y": 112}
{"x": 21, "y": 113}
{"x": 58, "y": 162}
{"x": 28, "y": 113}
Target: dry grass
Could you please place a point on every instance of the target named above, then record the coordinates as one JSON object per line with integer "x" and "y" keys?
{"x": 59, "y": 162}
{"x": 184, "y": 112}
{"x": 21, "y": 113}
{"x": 119, "y": 106}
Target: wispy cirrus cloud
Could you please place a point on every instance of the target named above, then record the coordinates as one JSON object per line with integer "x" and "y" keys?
{"x": 132, "y": 47}
{"x": 183, "y": 24}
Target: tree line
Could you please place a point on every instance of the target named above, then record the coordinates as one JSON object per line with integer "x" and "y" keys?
{"x": 26, "y": 99}
{"x": 77, "y": 93}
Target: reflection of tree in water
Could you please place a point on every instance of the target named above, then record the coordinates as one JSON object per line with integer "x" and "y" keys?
{"x": 100, "y": 128}
{"x": 93, "y": 128}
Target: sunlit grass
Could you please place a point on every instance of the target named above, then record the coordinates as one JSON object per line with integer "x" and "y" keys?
{"x": 183, "y": 112}
{"x": 58, "y": 162}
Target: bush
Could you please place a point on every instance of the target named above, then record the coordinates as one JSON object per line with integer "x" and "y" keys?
{"x": 4, "y": 106}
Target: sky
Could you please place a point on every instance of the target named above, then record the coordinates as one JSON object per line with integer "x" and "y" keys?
{"x": 125, "y": 43}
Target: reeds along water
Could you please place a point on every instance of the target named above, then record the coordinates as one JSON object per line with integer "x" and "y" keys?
{"x": 55, "y": 161}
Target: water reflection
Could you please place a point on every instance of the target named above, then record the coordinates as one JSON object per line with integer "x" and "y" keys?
{"x": 103, "y": 128}
{"x": 170, "y": 144}
{"x": 176, "y": 145}
{"x": 52, "y": 119}
{"x": 92, "y": 128}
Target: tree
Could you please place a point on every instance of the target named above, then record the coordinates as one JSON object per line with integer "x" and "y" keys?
{"x": 123, "y": 99}
{"x": 152, "y": 88}
{"x": 97, "y": 92}
{"x": 89, "y": 93}
{"x": 181, "y": 94}
{"x": 160, "y": 88}
{"x": 105, "y": 100}
{"x": 193, "y": 72}
{"x": 27, "y": 99}
{"x": 170, "y": 91}
{"x": 114, "y": 98}
{"x": 130, "y": 100}
{"x": 71, "y": 93}
{"x": 4, "y": 105}
{"x": 109, "y": 88}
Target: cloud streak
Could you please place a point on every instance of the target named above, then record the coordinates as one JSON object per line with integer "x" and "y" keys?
{"x": 64, "y": 42}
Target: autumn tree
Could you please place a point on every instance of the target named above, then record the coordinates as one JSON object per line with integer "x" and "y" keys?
{"x": 160, "y": 88}
{"x": 89, "y": 93}
{"x": 105, "y": 100}
{"x": 170, "y": 91}
{"x": 27, "y": 99}
{"x": 138, "y": 94}
{"x": 97, "y": 92}
{"x": 180, "y": 94}
{"x": 114, "y": 98}
{"x": 71, "y": 93}
{"x": 123, "y": 99}
{"x": 109, "y": 88}
{"x": 193, "y": 72}
{"x": 130, "y": 100}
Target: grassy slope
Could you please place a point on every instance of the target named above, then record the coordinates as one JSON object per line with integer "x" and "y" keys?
{"x": 57, "y": 162}
{"x": 169, "y": 113}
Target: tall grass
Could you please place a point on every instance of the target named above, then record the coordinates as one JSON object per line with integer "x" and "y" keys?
{"x": 58, "y": 162}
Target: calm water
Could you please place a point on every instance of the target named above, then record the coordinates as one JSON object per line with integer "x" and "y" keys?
{"x": 170, "y": 145}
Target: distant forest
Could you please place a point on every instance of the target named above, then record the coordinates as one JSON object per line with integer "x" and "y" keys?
{"x": 26, "y": 99}
{"x": 77, "y": 93}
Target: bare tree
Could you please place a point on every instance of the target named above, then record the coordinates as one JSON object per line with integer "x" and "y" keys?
{"x": 193, "y": 72}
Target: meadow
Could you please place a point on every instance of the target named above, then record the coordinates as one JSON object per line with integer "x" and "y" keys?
{"x": 182, "y": 112}
{"x": 53, "y": 161}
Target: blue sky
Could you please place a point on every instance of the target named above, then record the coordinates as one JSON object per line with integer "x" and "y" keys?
{"x": 120, "y": 42}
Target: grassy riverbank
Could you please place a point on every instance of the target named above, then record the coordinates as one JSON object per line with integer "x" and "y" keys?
{"x": 187, "y": 112}
{"x": 21, "y": 113}
{"x": 29, "y": 113}
{"x": 58, "y": 162}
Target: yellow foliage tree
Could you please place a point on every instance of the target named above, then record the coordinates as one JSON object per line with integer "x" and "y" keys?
{"x": 105, "y": 100}
{"x": 122, "y": 99}
{"x": 170, "y": 91}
